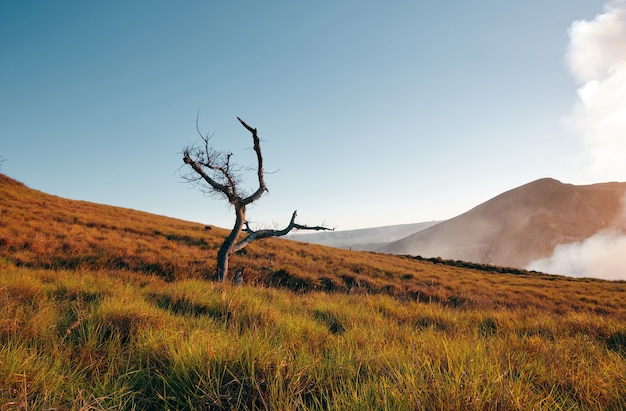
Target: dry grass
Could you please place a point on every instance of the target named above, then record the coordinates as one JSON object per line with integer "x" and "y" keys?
{"x": 106, "y": 308}
{"x": 42, "y": 231}
{"x": 115, "y": 340}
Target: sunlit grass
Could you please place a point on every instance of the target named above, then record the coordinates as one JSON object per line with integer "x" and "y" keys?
{"x": 120, "y": 340}
{"x": 105, "y": 308}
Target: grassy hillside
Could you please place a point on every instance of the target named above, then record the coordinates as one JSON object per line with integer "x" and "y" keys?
{"x": 107, "y": 308}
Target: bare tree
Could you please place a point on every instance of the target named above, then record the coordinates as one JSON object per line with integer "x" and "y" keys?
{"x": 215, "y": 169}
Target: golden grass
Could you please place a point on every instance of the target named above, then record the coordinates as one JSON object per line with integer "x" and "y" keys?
{"x": 43, "y": 231}
{"x": 106, "y": 308}
{"x": 120, "y": 340}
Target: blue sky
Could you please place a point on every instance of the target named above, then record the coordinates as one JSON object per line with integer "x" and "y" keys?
{"x": 370, "y": 113}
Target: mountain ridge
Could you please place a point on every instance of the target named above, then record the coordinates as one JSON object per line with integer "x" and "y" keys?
{"x": 363, "y": 239}
{"x": 521, "y": 224}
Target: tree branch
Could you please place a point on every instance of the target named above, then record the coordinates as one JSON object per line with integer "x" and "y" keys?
{"x": 260, "y": 173}
{"x": 256, "y": 235}
{"x": 197, "y": 166}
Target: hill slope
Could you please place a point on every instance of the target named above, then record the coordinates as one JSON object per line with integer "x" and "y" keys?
{"x": 39, "y": 230}
{"x": 520, "y": 225}
{"x": 106, "y": 308}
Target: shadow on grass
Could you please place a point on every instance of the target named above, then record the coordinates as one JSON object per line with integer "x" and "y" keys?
{"x": 284, "y": 279}
{"x": 182, "y": 306}
{"x": 617, "y": 342}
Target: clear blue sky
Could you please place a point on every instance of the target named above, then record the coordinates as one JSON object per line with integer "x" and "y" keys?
{"x": 371, "y": 113}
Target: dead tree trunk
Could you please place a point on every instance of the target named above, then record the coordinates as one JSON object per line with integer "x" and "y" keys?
{"x": 214, "y": 168}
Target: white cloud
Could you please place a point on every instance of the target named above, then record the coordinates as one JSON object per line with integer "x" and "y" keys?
{"x": 596, "y": 46}
{"x": 597, "y": 59}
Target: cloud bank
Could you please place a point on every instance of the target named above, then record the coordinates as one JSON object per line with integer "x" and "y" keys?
{"x": 596, "y": 57}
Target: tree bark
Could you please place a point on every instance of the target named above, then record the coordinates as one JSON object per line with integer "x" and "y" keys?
{"x": 226, "y": 249}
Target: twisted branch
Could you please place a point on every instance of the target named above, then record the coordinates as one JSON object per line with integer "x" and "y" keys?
{"x": 259, "y": 234}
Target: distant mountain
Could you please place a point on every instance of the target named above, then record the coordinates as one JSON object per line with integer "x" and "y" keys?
{"x": 520, "y": 225}
{"x": 365, "y": 239}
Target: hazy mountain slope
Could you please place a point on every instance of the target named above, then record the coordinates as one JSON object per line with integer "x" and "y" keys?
{"x": 365, "y": 239}
{"x": 520, "y": 225}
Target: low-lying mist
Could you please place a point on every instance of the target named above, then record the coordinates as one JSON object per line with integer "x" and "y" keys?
{"x": 599, "y": 256}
